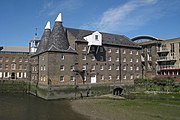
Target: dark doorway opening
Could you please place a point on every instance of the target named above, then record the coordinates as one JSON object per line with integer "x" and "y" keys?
{"x": 13, "y": 75}
{"x": 117, "y": 91}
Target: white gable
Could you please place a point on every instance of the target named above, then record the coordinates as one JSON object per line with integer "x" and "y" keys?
{"x": 94, "y": 39}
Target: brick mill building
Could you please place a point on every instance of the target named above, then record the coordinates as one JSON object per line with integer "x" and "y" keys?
{"x": 68, "y": 56}
{"x": 14, "y": 62}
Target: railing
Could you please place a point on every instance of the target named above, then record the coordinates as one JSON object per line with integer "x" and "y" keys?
{"x": 168, "y": 67}
{"x": 165, "y": 58}
{"x": 163, "y": 50}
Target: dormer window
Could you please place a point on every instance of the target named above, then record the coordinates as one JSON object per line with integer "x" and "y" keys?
{"x": 96, "y": 37}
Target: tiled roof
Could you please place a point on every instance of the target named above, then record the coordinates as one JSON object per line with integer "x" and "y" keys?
{"x": 15, "y": 49}
{"x": 107, "y": 38}
{"x": 44, "y": 41}
{"x": 58, "y": 40}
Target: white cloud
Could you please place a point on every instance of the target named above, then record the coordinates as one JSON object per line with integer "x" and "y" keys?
{"x": 53, "y": 7}
{"x": 126, "y": 17}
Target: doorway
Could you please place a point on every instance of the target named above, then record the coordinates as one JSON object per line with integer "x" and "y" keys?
{"x": 93, "y": 78}
{"x": 13, "y": 75}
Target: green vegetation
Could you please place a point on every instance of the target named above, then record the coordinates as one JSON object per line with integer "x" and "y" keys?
{"x": 12, "y": 86}
{"x": 156, "y": 84}
{"x": 158, "y": 108}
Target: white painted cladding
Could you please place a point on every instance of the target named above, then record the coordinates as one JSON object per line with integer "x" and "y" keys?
{"x": 94, "y": 39}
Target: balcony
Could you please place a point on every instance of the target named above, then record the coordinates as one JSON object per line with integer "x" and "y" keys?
{"x": 168, "y": 67}
{"x": 163, "y": 50}
{"x": 166, "y": 58}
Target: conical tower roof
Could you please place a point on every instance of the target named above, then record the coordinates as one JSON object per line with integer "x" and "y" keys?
{"x": 44, "y": 40}
{"x": 58, "y": 40}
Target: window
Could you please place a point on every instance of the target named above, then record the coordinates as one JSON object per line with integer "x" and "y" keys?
{"x": 26, "y": 60}
{"x": 109, "y": 59}
{"x": 124, "y": 59}
{"x": 72, "y": 78}
{"x": 92, "y": 49}
{"x": 131, "y": 60}
{"x": 93, "y": 58}
{"x": 25, "y": 67}
{"x": 96, "y": 37}
{"x": 101, "y": 58}
{"x": 131, "y": 52}
{"x": 44, "y": 67}
{"x": 0, "y": 74}
{"x": 84, "y": 67}
{"x": 84, "y": 49}
{"x": 19, "y": 74}
{"x": 110, "y": 77}
{"x": 117, "y": 50}
{"x": 61, "y": 78}
{"x": 124, "y": 67}
{"x": 137, "y": 53}
{"x": 163, "y": 47}
{"x": 124, "y": 77}
{"x": 101, "y": 67}
{"x": 137, "y": 76}
{"x": 109, "y": 67}
{"x": 131, "y": 68}
{"x": 0, "y": 66}
{"x": 131, "y": 77}
{"x": 25, "y": 76}
{"x": 6, "y": 59}
{"x": 117, "y": 59}
{"x": 137, "y": 68}
{"x": 13, "y": 59}
{"x": 1, "y": 59}
{"x": 124, "y": 51}
{"x": 117, "y": 67}
{"x": 92, "y": 67}
{"x": 117, "y": 77}
{"x": 13, "y": 66}
{"x": 20, "y": 67}
{"x": 62, "y": 67}
{"x": 101, "y": 49}
{"x": 6, "y": 66}
{"x": 137, "y": 60}
{"x": 62, "y": 57}
{"x": 6, "y": 74}
{"x": 20, "y": 59}
{"x": 72, "y": 67}
{"x": 102, "y": 77}
{"x": 41, "y": 68}
{"x": 35, "y": 69}
{"x": 84, "y": 57}
{"x": 109, "y": 50}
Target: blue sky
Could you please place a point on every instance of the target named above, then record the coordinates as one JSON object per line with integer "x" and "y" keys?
{"x": 158, "y": 18}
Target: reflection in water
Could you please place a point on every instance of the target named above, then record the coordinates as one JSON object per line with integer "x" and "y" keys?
{"x": 27, "y": 107}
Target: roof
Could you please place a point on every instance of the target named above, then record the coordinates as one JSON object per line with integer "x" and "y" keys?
{"x": 111, "y": 39}
{"x": 145, "y": 37}
{"x": 15, "y": 49}
{"x": 58, "y": 39}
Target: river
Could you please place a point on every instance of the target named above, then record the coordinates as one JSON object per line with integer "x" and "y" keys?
{"x": 28, "y": 107}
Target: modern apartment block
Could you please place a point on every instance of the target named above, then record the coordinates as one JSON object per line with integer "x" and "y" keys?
{"x": 168, "y": 57}
{"x": 159, "y": 57}
{"x": 14, "y": 61}
{"x": 68, "y": 56}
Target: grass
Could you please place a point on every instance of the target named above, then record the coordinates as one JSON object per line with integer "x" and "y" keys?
{"x": 137, "y": 109}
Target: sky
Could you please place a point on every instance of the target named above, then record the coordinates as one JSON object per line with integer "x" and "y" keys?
{"x": 20, "y": 18}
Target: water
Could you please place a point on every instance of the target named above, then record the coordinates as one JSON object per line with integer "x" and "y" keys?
{"x": 27, "y": 107}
